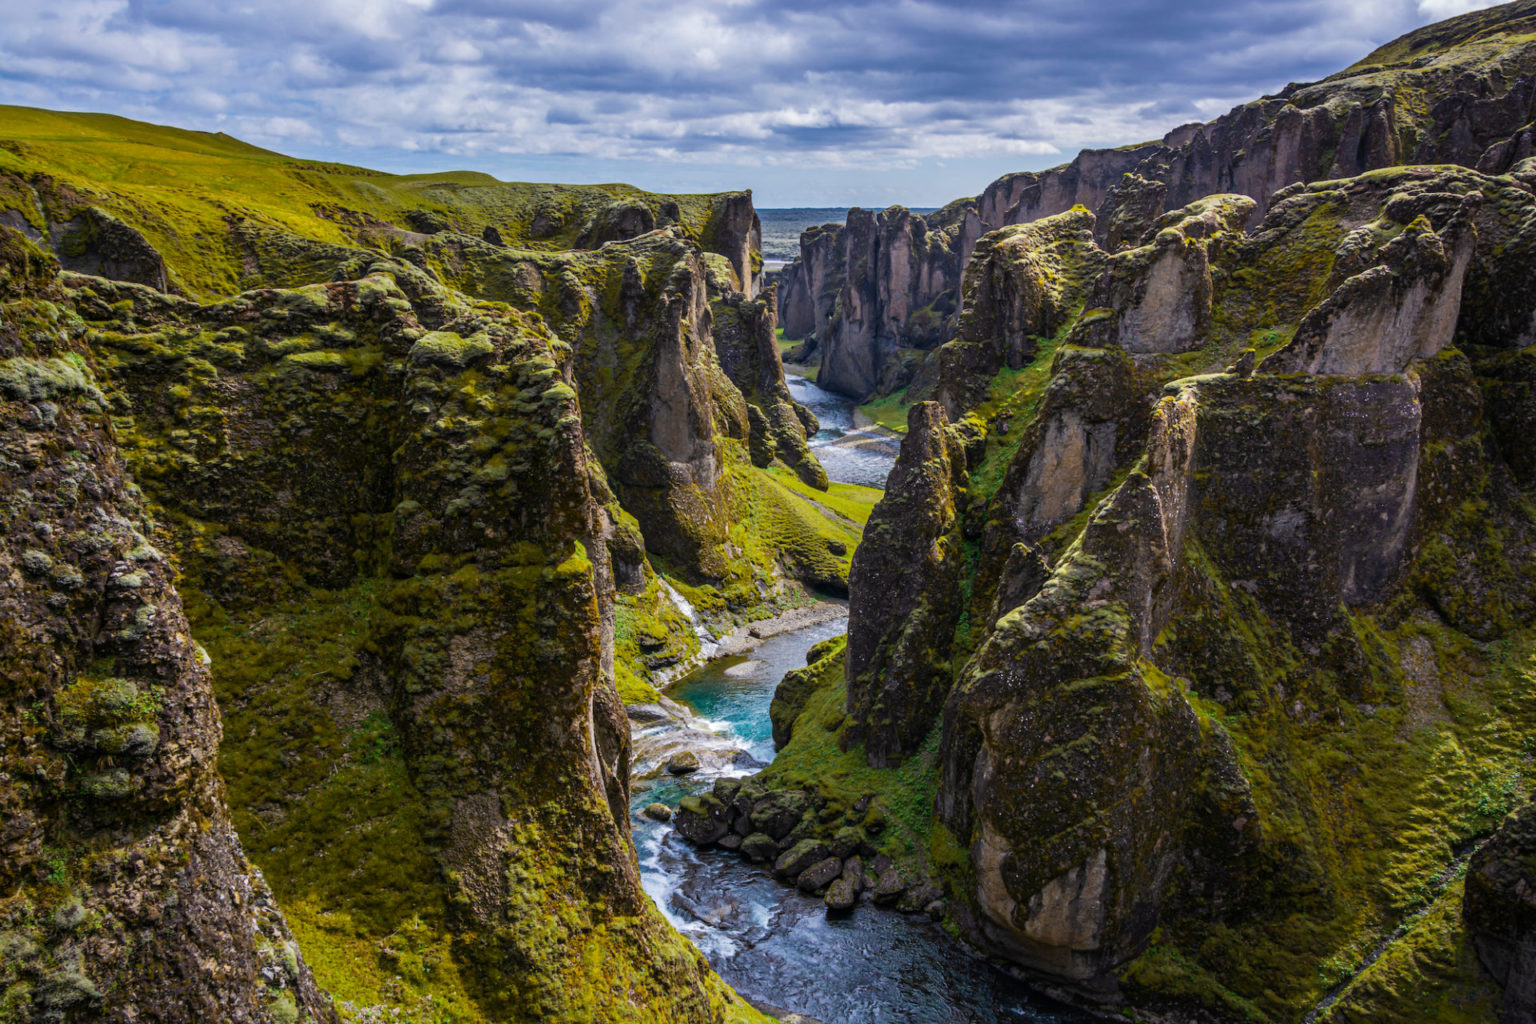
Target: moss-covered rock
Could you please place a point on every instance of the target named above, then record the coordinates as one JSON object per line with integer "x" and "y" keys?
{"x": 124, "y": 891}
{"x": 1185, "y": 596}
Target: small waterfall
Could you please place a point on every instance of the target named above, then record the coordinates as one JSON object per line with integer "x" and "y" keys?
{"x": 707, "y": 642}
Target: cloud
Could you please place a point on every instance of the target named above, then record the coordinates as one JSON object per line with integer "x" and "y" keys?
{"x": 739, "y": 86}
{"x": 1434, "y": 10}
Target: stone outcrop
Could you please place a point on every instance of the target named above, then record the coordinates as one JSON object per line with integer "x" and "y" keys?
{"x": 1156, "y": 296}
{"x": 408, "y": 485}
{"x": 1459, "y": 92}
{"x": 1500, "y": 911}
{"x": 746, "y": 342}
{"x": 1183, "y": 588}
{"x": 898, "y": 650}
{"x": 1025, "y": 284}
{"x": 124, "y": 891}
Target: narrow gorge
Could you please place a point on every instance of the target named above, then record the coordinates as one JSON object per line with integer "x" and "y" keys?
{"x": 430, "y": 598}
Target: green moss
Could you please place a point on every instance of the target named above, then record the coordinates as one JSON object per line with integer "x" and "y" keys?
{"x": 1428, "y": 971}
{"x": 899, "y": 817}
{"x": 66, "y": 378}
{"x": 888, "y": 411}
{"x": 852, "y": 502}
{"x": 444, "y": 348}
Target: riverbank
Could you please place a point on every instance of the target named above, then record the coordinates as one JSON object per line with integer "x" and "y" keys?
{"x": 743, "y": 639}
{"x": 776, "y": 945}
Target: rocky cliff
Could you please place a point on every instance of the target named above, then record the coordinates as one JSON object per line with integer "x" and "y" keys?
{"x": 124, "y": 890}
{"x": 1225, "y": 622}
{"x": 419, "y": 489}
{"x": 880, "y": 291}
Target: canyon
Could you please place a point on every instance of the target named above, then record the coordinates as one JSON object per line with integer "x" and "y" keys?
{"x": 365, "y": 538}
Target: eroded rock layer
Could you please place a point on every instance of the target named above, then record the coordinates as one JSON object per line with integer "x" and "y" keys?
{"x": 881, "y": 291}
{"x": 1226, "y": 616}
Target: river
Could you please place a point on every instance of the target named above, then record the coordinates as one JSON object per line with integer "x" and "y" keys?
{"x": 850, "y": 454}
{"x": 774, "y": 944}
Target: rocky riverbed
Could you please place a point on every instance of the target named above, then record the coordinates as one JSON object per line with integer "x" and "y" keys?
{"x": 777, "y": 945}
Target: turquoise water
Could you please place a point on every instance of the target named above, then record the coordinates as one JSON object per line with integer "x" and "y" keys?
{"x": 776, "y": 945}
{"x": 736, "y": 692}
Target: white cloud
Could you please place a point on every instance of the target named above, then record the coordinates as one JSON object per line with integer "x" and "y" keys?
{"x": 1437, "y": 9}
{"x": 739, "y": 85}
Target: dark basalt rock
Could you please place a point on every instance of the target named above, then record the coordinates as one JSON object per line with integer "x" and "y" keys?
{"x": 760, "y": 846}
{"x": 898, "y": 646}
{"x": 1500, "y": 912}
{"x": 701, "y": 819}
{"x": 822, "y": 873}
{"x": 841, "y": 894}
{"x": 802, "y": 856}
{"x": 96, "y": 242}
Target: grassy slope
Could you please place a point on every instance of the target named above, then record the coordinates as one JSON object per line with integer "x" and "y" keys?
{"x": 181, "y": 187}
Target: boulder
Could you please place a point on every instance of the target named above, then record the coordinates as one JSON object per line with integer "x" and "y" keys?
{"x": 889, "y": 886}
{"x": 853, "y": 870}
{"x": 778, "y": 813}
{"x": 846, "y": 842}
{"x": 799, "y": 857}
{"x": 657, "y": 812}
{"x": 684, "y": 762}
{"x": 841, "y": 895}
{"x": 760, "y": 846}
{"x": 701, "y": 819}
{"x": 823, "y": 872}
{"x": 918, "y": 898}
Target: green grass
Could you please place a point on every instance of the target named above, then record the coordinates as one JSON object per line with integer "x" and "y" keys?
{"x": 181, "y": 188}
{"x": 853, "y": 502}
{"x": 324, "y": 803}
{"x": 888, "y": 411}
{"x": 899, "y": 820}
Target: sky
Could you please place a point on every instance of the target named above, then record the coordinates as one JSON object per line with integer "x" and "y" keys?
{"x": 807, "y": 102}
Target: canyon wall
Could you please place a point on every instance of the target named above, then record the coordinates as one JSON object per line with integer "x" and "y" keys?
{"x": 418, "y": 475}
{"x": 1230, "y": 664}
{"x": 881, "y": 292}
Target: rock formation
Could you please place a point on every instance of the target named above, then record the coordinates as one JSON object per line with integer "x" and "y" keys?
{"x": 1462, "y": 91}
{"x": 1500, "y": 910}
{"x": 412, "y": 482}
{"x": 124, "y": 890}
{"x": 1171, "y": 595}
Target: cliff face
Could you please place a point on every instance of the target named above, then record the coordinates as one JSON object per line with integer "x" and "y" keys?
{"x": 1461, "y": 92}
{"x": 423, "y": 454}
{"x": 874, "y": 295}
{"x": 124, "y": 890}
{"x": 1225, "y": 639}
{"x": 413, "y": 488}
{"x": 663, "y": 400}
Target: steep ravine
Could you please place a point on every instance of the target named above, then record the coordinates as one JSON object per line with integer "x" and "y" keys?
{"x": 780, "y": 947}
